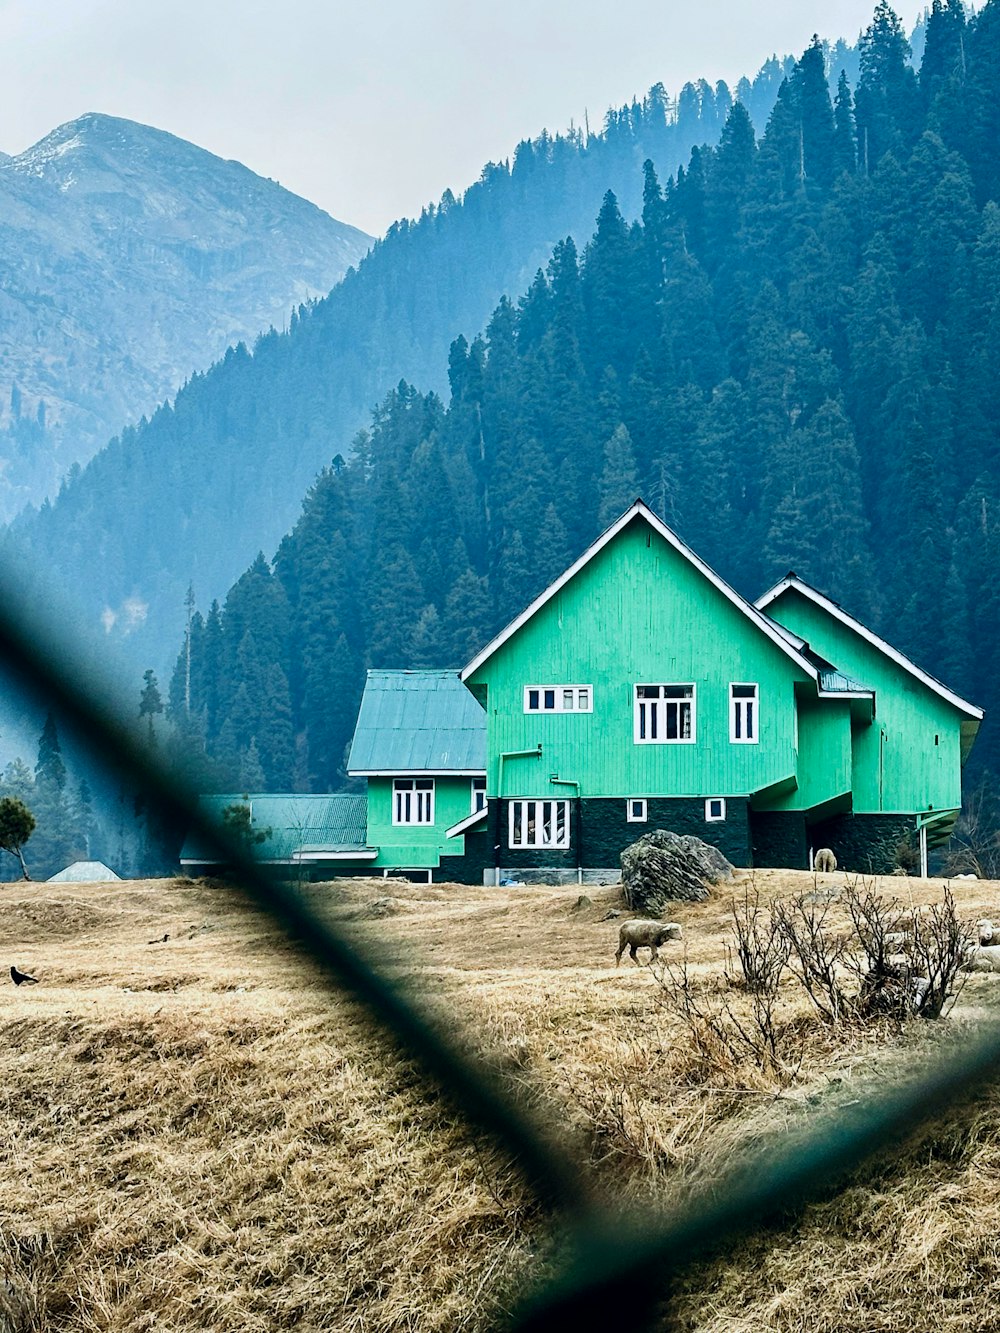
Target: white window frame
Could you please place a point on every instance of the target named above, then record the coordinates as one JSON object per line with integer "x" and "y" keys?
{"x": 412, "y": 802}
{"x": 654, "y": 721}
{"x": 542, "y": 813}
{"x": 477, "y": 788}
{"x": 630, "y": 816}
{"x": 738, "y": 717}
{"x": 710, "y": 818}
{"x": 581, "y": 698}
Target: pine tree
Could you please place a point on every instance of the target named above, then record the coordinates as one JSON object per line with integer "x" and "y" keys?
{"x": 150, "y": 701}
{"x": 465, "y": 620}
{"x": 816, "y": 119}
{"x": 845, "y": 140}
{"x": 50, "y": 769}
{"x": 619, "y": 484}
{"x": 251, "y": 772}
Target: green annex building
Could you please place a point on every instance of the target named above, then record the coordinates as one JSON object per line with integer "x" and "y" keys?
{"x": 640, "y": 691}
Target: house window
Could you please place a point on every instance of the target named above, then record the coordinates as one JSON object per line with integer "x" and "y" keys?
{"x": 664, "y": 714}
{"x": 478, "y": 794}
{"x": 541, "y": 824}
{"x": 743, "y": 714}
{"x": 715, "y": 810}
{"x": 413, "y": 801}
{"x": 558, "y": 699}
{"x": 635, "y": 812}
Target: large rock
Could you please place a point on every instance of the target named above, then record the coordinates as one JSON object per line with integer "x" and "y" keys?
{"x": 662, "y": 867}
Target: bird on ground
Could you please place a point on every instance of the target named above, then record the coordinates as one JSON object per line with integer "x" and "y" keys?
{"x": 20, "y": 978}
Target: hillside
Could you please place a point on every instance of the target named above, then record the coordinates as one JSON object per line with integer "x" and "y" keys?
{"x": 792, "y": 357}
{"x": 131, "y": 258}
{"x": 199, "y": 1137}
{"x": 237, "y": 450}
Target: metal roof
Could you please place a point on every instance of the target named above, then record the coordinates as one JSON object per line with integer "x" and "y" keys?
{"x": 792, "y": 581}
{"x": 84, "y": 872}
{"x": 418, "y": 722}
{"x": 835, "y": 682}
{"x": 334, "y": 822}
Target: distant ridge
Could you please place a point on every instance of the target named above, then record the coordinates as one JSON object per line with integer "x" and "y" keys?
{"x": 131, "y": 258}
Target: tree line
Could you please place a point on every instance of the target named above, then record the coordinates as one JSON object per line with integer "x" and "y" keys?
{"x": 792, "y": 355}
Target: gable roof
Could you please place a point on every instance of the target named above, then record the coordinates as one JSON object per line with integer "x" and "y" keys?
{"x": 84, "y": 872}
{"x": 335, "y": 823}
{"x": 422, "y": 722}
{"x": 779, "y": 636}
{"x": 834, "y": 609}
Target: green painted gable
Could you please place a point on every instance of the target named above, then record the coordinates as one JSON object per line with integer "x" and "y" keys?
{"x": 910, "y": 758}
{"x": 637, "y": 609}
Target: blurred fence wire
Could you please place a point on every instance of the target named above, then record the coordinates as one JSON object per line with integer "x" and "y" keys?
{"x": 612, "y": 1269}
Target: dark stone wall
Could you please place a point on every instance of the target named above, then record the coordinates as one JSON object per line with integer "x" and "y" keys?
{"x": 600, "y": 831}
{"x": 779, "y": 839}
{"x": 469, "y": 868}
{"x": 865, "y": 844}
{"x": 606, "y": 831}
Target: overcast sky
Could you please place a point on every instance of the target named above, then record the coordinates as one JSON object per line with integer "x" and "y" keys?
{"x": 373, "y": 109}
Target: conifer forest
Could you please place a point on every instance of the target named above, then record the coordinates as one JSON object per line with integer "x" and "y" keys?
{"x": 792, "y": 356}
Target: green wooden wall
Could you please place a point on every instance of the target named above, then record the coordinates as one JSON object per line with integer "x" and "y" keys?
{"x": 909, "y": 759}
{"x": 825, "y": 757}
{"x": 637, "y": 613}
{"x": 416, "y": 846}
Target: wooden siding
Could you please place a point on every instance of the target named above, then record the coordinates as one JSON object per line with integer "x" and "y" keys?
{"x": 417, "y": 846}
{"x": 638, "y": 613}
{"x": 824, "y": 765}
{"x": 897, "y": 766}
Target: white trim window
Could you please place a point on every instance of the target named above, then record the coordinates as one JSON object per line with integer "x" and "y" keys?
{"x": 715, "y": 810}
{"x": 558, "y": 698}
{"x": 413, "y": 801}
{"x": 539, "y": 824}
{"x": 744, "y": 714}
{"x": 478, "y": 795}
{"x": 635, "y": 811}
{"x": 664, "y": 715}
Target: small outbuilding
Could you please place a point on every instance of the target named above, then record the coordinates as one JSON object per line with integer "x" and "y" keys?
{"x": 84, "y": 872}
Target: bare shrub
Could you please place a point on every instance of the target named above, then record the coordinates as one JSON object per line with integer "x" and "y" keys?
{"x": 815, "y": 955}
{"x": 975, "y": 843}
{"x": 725, "y": 1036}
{"x": 761, "y": 946}
{"x": 908, "y": 962}
{"x": 940, "y": 941}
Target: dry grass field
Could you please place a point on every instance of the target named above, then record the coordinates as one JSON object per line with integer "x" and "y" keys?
{"x": 197, "y": 1136}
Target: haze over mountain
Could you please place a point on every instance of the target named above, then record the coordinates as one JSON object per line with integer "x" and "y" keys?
{"x": 220, "y": 473}
{"x": 794, "y": 356}
{"x": 129, "y": 259}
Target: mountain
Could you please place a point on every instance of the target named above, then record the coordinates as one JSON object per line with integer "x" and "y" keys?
{"x": 128, "y": 259}
{"x": 190, "y": 495}
{"x": 794, "y": 357}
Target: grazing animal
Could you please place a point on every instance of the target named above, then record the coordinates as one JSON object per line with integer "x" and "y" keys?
{"x": 22, "y": 978}
{"x": 982, "y": 958}
{"x": 824, "y": 861}
{"x": 988, "y": 933}
{"x": 640, "y": 934}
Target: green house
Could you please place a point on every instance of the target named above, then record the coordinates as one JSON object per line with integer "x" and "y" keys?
{"x": 640, "y": 691}
{"x": 420, "y": 741}
{"x": 315, "y": 836}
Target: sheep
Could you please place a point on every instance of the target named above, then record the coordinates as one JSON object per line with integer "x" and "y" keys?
{"x": 982, "y": 958}
{"x": 824, "y": 861}
{"x": 988, "y": 933}
{"x": 641, "y": 934}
